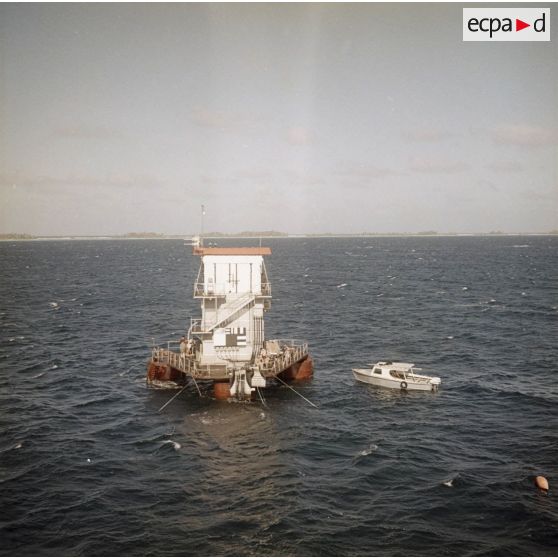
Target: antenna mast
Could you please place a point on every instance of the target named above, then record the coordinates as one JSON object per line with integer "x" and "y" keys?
{"x": 201, "y": 218}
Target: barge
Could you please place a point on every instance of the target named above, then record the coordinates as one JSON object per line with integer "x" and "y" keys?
{"x": 226, "y": 346}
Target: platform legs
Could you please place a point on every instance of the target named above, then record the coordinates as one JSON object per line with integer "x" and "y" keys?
{"x": 221, "y": 390}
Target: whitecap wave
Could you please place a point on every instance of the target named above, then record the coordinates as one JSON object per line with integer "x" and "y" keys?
{"x": 367, "y": 451}
{"x": 175, "y": 445}
{"x": 449, "y": 482}
{"x": 158, "y": 384}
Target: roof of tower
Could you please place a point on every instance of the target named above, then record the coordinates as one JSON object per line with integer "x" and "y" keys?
{"x": 240, "y": 251}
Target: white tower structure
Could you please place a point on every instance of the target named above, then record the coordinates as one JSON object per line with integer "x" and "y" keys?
{"x": 235, "y": 292}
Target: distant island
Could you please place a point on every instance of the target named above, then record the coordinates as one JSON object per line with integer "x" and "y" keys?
{"x": 257, "y": 234}
{"x": 16, "y": 236}
{"x": 142, "y": 235}
{"x": 247, "y": 234}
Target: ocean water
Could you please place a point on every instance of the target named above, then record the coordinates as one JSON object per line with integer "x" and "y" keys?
{"x": 88, "y": 466}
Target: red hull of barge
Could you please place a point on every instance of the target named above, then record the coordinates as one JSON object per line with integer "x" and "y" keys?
{"x": 299, "y": 371}
{"x": 162, "y": 372}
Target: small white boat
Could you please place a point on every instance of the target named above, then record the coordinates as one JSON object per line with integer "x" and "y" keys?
{"x": 397, "y": 375}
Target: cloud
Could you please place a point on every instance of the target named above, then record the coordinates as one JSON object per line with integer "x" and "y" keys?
{"x": 505, "y": 167}
{"x": 254, "y": 174}
{"x": 525, "y": 136}
{"x": 223, "y": 120}
{"x": 210, "y": 184}
{"x": 85, "y": 131}
{"x": 247, "y": 125}
{"x": 427, "y": 135}
{"x": 299, "y": 135}
{"x": 211, "y": 119}
{"x": 487, "y": 184}
{"x": 301, "y": 178}
{"x": 83, "y": 183}
{"x": 365, "y": 172}
{"x": 548, "y": 196}
{"x": 437, "y": 165}
{"x": 363, "y": 176}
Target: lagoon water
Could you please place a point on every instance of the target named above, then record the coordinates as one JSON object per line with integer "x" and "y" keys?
{"x": 89, "y": 467}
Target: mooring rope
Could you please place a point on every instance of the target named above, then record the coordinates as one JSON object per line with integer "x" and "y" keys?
{"x": 197, "y": 387}
{"x": 299, "y": 394}
{"x": 122, "y": 373}
{"x": 172, "y": 398}
{"x": 261, "y": 397}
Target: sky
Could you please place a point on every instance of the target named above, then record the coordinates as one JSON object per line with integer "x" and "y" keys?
{"x": 300, "y": 118}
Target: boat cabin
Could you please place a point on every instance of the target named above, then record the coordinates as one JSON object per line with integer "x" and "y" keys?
{"x": 397, "y": 370}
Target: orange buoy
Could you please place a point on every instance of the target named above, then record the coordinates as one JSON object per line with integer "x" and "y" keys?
{"x": 541, "y": 482}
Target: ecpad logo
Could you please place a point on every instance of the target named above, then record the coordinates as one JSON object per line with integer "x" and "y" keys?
{"x": 506, "y": 24}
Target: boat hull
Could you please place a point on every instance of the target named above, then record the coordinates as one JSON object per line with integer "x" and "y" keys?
{"x": 364, "y": 376}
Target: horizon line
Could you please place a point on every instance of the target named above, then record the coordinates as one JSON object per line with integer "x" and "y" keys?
{"x": 266, "y": 234}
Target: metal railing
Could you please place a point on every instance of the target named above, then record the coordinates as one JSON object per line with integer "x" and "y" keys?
{"x": 195, "y": 326}
{"x": 236, "y": 306}
{"x": 288, "y": 352}
{"x": 186, "y": 364}
{"x": 209, "y": 289}
{"x": 180, "y": 361}
{"x": 222, "y": 289}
